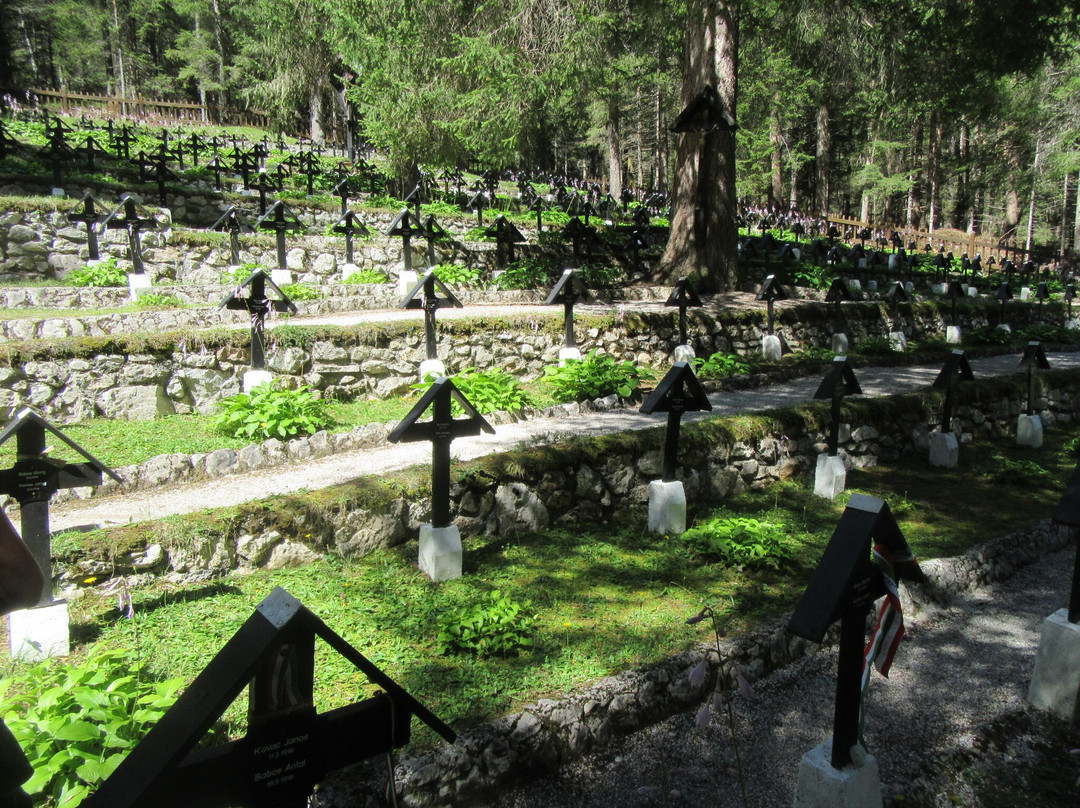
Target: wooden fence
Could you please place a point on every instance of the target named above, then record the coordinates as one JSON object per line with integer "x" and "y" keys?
{"x": 954, "y": 241}
{"x": 149, "y": 109}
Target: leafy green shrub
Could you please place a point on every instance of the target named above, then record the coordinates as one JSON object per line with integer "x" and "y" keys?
{"x": 103, "y": 274}
{"x": 875, "y": 346}
{"x": 738, "y": 540}
{"x": 595, "y": 376}
{"x": 300, "y": 291}
{"x": 77, "y": 723}
{"x": 445, "y": 209}
{"x": 812, "y": 353}
{"x": 491, "y": 390}
{"x": 234, "y": 276}
{"x": 367, "y": 276}
{"x": 457, "y": 274}
{"x": 495, "y": 627}
{"x": 528, "y": 273}
{"x": 156, "y": 300}
{"x": 273, "y": 411}
{"x": 1049, "y": 333}
{"x": 988, "y": 335}
{"x": 812, "y": 276}
{"x": 720, "y": 366}
{"x": 596, "y": 276}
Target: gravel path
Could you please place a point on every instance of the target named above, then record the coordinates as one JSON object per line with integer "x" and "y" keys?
{"x": 340, "y": 468}
{"x": 957, "y": 671}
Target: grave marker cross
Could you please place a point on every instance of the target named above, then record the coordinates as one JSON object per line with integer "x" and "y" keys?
{"x": 1068, "y": 513}
{"x": 838, "y": 294}
{"x": 231, "y": 223}
{"x": 1034, "y": 357}
{"x": 288, "y": 748}
{"x": 258, "y": 305}
{"x": 279, "y": 220}
{"x": 440, "y": 430}
{"x": 424, "y": 296}
{"x": 955, "y": 365}
{"x": 506, "y": 235}
{"x": 350, "y": 225}
{"x": 683, "y": 296}
{"x": 845, "y": 584}
{"x": 35, "y": 477}
{"x": 840, "y": 381}
{"x": 771, "y": 291}
{"x": 406, "y": 225}
{"x": 7, "y": 142}
{"x": 432, "y": 232}
{"x": 88, "y": 214}
{"x": 678, "y": 392}
{"x": 570, "y": 289}
{"x": 130, "y": 216}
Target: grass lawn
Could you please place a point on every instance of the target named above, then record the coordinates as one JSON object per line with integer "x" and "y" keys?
{"x": 601, "y": 599}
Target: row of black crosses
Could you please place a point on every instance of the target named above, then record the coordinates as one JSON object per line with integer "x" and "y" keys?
{"x": 279, "y": 638}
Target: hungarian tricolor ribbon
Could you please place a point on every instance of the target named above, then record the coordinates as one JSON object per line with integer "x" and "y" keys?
{"x": 886, "y": 636}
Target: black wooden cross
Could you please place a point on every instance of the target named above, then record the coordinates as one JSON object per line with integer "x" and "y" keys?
{"x": 415, "y": 199}
{"x": 1042, "y": 293}
{"x": 122, "y": 141}
{"x": 279, "y": 220}
{"x": 953, "y": 293}
{"x": 35, "y": 477}
{"x": 478, "y": 202}
{"x": 538, "y": 206}
{"x": 308, "y": 165}
{"x": 955, "y": 365}
{"x": 265, "y": 183}
{"x": 162, "y": 174}
{"x": 245, "y": 163}
{"x": 130, "y": 216}
{"x": 1034, "y": 357}
{"x": 231, "y": 223}
{"x": 195, "y": 144}
{"x": 840, "y": 381}
{"x": 770, "y": 292}
{"x": 579, "y": 234}
{"x": 678, "y": 392}
{"x": 350, "y": 225}
{"x": 58, "y": 152}
{"x": 506, "y": 235}
{"x": 432, "y": 232}
{"x": 1068, "y": 297}
{"x": 217, "y": 166}
{"x": 88, "y": 214}
{"x": 91, "y": 148}
{"x": 683, "y": 296}
{"x": 342, "y": 190}
{"x": 289, "y": 747}
{"x": 570, "y": 289}
{"x": 406, "y": 225}
{"x": 839, "y": 294}
{"x": 258, "y": 305}
{"x": 440, "y": 430}
{"x": 1004, "y": 293}
{"x": 1068, "y": 513}
{"x": 423, "y": 296}
{"x": 845, "y": 584}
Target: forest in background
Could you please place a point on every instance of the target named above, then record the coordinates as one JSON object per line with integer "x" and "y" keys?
{"x": 929, "y": 113}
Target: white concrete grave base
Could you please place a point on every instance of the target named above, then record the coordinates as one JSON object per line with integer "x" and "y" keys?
{"x": 1029, "y": 431}
{"x": 909, "y": 287}
{"x": 41, "y": 632}
{"x": 771, "y": 349}
{"x": 430, "y": 366}
{"x": 898, "y": 341}
{"x": 1025, "y": 294}
{"x": 568, "y": 353}
{"x": 281, "y": 277}
{"x": 347, "y": 271}
{"x": 58, "y": 192}
{"x": 1073, "y": 323}
{"x": 138, "y": 284}
{"x": 667, "y": 507}
{"x": 684, "y": 353}
{"x": 953, "y": 334}
{"x": 830, "y": 477}
{"x": 840, "y": 345}
{"x": 440, "y": 552}
{"x": 821, "y": 786}
{"x": 406, "y": 281}
{"x": 256, "y": 378}
{"x": 871, "y": 286}
{"x": 944, "y": 450}
{"x": 1055, "y": 685}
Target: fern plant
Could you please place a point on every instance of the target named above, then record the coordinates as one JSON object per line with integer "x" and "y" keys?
{"x": 595, "y": 376}
{"x": 273, "y": 411}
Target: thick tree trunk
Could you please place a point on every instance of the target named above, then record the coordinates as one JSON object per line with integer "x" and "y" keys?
{"x": 121, "y": 79}
{"x": 776, "y": 140}
{"x": 1064, "y": 213}
{"x": 1076, "y": 218}
{"x": 315, "y": 110}
{"x": 703, "y": 237}
{"x": 661, "y": 143}
{"x": 822, "y": 149}
{"x": 7, "y": 71}
{"x": 933, "y": 171}
{"x": 1029, "y": 241}
{"x": 614, "y": 150}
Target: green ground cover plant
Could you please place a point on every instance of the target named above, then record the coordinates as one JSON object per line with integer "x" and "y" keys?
{"x": 720, "y": 365}
{"x": 272, "y": 410}
{"x": 595, "y": 376}
{"x": 601, "y": 597}
{"x": 106, "y": 273}
{"x": 367, "y": 276}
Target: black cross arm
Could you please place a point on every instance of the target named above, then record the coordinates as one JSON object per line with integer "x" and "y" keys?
{"x": 430, "y": 276}
{"x": 1034, "y": 355}
{"x": 411, "y": 428}
{"x": 955, "y": 364}
{"x": 27, "y": 416}
{"x": 678, "y": 391}
{"x": 684, "y": 295}
{"x": 840, "y": 380}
